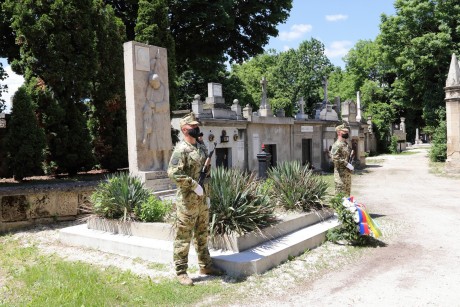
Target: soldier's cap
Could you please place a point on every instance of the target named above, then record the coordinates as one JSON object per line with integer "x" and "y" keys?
{"x": 341, "y": 128}
{"x": 189, "y": 119}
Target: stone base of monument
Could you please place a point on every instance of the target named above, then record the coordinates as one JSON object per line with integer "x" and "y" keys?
{"x": 265, "y": 112}
{"x": 452, "y": 166}
{"x": 156, "y": 180}
{"x": 253, "y": 253}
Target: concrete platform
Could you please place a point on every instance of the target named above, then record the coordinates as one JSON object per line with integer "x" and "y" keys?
{"x": 255, "y": 260}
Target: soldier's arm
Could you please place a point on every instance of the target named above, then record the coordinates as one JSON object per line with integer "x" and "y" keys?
{"x": 176, "y": 171}
{"x": 338, "y": 155}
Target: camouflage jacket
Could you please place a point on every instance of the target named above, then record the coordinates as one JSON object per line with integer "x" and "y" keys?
{"x": 185, "y": 165}
{"x": 340, "y": 154}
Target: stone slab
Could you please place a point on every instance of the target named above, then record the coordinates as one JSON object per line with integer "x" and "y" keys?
{"x": 253, "y": 261}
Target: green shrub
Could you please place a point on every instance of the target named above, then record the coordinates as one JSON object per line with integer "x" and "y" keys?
{"x": 120, "y": 196}
{"x": 295, "y": 187}
{"x": 153, "y": 210}
{"x": 438, "y": 150}
{"x": 238, "y": 204}
{"x": 393, "y": 145}
{"x": 25, "y": 140}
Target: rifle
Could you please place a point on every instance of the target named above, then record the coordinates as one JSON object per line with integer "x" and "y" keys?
{"x": 352, "y": 155}
{"x": 207, "y": 163}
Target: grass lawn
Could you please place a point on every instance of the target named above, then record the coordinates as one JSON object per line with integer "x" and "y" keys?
{"x": 28, "y": 278}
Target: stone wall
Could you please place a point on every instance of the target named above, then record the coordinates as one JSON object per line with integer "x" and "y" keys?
{"x": 24, "y": 206}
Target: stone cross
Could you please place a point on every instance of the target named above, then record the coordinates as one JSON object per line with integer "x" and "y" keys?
{"x": 325, "y": 84}
{"x": 301, "y": 105}
{"x": 263, "y": 103}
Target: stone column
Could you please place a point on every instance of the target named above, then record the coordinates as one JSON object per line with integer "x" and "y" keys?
{"x": 452, "y": 99}
{"x": 148, "y": 113}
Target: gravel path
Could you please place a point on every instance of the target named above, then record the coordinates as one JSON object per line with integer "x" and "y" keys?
{"x": 420, "y": 265}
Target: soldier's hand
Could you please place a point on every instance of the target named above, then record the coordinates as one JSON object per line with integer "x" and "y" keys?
{"x": 198, "y": 190}
{"x": 350, "y": 167}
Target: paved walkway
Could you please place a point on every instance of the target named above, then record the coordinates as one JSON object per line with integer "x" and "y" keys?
{"x": 420, "y": 266}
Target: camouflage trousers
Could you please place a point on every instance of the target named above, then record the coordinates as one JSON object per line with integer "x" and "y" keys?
{"x": 192, "y": 222}
{"x": 342, "y": 179}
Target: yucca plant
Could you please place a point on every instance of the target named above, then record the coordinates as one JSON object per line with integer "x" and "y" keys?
{"x": 238, "y": 205}
{"x": 119, "y": 196}
{"x": 295, "y": 187}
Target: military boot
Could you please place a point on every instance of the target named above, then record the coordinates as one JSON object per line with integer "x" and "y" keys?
{"x": 211, "y": 270}
{"x": 185, "y": 280}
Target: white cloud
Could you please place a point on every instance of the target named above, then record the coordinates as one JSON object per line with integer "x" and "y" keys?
{"x": 286, "y": 48}
{"x": 337, "y": 17}
{"x": 13, "y": 81}
{"x": 338, "y": 49}
{"x": 296, "y": 32}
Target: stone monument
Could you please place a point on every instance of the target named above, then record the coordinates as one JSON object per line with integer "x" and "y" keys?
{"x": 264, "y": 109}
{"x": 148, "y": 113}
{"x": 452, "y": 99}
{"x": 301, "y": 113}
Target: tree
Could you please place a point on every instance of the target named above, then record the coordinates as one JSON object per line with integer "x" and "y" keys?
{"x": 3, "y": 87}
{"x": 25, "y": 140}
{"x": 107, "y": 115}
{"x": 251, "y": 72}
{"x": 299, "y": 73}
{"x": 418, "y": 42}
{"x": 212, "y": 30}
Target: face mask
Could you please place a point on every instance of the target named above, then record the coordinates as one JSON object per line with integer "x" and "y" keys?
{"x": 194, "y": 132}
{"x": 345, "y": 135}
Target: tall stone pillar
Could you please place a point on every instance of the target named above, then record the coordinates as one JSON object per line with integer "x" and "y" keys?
{"x": 148, "y": 113}
{"x": 452, "y": 99}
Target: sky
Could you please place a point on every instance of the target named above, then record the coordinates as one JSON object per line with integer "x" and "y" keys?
{"x": 338, "y": 24}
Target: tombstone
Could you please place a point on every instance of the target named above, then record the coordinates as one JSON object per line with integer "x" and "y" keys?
{"x": 264, "y": 110}
{"x": 236, "y": 108}
{"x": 402, "y": 126}
{"x": 452, "y": 99}
{"x": 215, "y": 96}
{"x": 349, "y": 111}
{"x": 358, "y": 107}
{"x": 148, "y": 113}
{"x": 2, "y": 120}
{"x": 301, "y": 113}
{"x": 417, "y": 137}
{"x": 328, "y": 113}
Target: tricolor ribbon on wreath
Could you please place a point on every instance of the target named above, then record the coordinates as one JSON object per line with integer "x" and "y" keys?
{"x": 365, "y": 223}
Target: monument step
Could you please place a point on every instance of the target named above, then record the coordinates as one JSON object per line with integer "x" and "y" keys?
{"x": 255, "y": 260}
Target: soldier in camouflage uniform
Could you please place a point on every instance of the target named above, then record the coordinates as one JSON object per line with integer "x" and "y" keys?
{"x": 184, "y": 169}
{"x": 340, "y": 156}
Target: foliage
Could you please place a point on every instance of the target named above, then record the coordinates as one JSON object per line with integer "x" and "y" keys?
{"x": 153, "y": 210}
{"x": 25, "y": 140}
{"x": 300, "y": 73}
{"x": 438, "y": 150}
{"x": 121, "y": 196}
{"x": 106, "y": 106}
{"x": 250, "y": 74}
{"x": 393, "y": 144}
{"x": 295, "y": 187}
{"x": 290, "y": 74}
{"x": 383, "y": 115}
{"x": 3, "y": 87}
{"x": 238, "y": 205}
{"x": 348, "y": 229}
{"x": 418, "y": 42}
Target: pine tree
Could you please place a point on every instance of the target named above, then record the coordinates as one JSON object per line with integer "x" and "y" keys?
{"x": 25, "y": 140}
{"x": 107, "y": 116}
